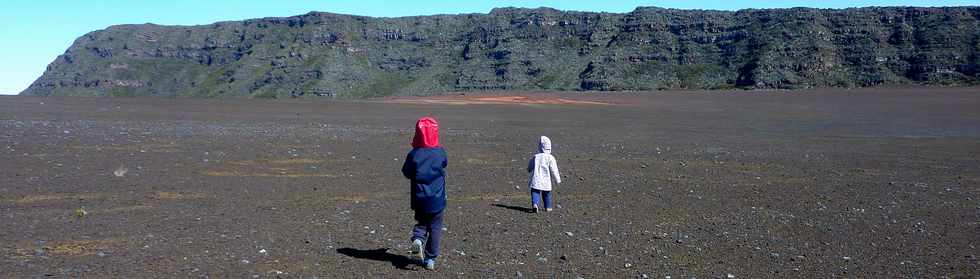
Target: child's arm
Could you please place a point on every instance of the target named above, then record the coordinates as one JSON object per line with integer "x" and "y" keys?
{"x": 530, "y": 164}
{"x": 554, "y": 170}
{"x": 408, "y": 169}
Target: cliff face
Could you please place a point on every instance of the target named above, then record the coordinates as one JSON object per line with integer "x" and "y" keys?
{"x": 322, "y": 54}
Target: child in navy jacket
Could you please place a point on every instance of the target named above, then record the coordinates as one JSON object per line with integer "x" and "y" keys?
{"x": 425, "y": 167}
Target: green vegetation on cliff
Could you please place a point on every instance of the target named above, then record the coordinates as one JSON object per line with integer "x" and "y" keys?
{"x": 322, "y": 54}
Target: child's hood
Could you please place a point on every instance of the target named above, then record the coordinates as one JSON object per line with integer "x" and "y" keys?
{"x": 426, "y": 133}
{"x": 544, "y": 146}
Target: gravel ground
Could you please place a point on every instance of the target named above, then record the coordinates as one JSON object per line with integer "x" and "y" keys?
{"x": 816, "y": 184}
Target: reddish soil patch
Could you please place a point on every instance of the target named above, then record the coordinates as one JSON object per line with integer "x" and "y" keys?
{"x": 494, "y": 100}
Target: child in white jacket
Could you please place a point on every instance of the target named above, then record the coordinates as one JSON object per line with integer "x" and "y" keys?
{"x": 543, "y": 166}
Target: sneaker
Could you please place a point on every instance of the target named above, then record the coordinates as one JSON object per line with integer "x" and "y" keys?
{"x": 418, "y": 249}
{"x": 547, "y": 209}
{"x": 430, "y": 264}
{"x": 534, "y": 209}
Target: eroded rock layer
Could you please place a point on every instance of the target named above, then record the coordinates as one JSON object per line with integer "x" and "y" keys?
{"x": 323, "y": 54}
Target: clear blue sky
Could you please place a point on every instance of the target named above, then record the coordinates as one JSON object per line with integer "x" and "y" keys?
{"x": 34, "y": 32}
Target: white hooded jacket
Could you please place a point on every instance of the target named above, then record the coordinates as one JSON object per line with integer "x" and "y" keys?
{"x": 543, "y": 167}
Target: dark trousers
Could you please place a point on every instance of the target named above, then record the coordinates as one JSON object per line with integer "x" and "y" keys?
{"x": 536, "y": 196}
{"x": 429, "y": 230}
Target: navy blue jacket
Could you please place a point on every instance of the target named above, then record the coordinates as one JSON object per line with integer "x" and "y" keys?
{"x": 426, "y": 168}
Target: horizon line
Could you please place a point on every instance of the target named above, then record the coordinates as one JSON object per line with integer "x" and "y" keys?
{"x": 536, "y": 8}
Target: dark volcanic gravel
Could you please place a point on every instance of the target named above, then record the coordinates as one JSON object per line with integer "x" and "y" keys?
{"x": 866, "y": 184}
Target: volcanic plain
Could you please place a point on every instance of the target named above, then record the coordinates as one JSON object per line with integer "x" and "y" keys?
{"x": 871, "y": 183}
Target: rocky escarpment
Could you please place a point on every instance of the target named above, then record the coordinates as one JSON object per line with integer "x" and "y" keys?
{"x": 323, "y": 54}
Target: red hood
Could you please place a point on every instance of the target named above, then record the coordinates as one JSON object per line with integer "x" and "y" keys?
{"x": 426, "y": 133}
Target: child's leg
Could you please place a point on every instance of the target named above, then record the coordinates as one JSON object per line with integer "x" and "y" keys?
{"x": 547, "y": 199}
{"x": 435, "y": 236}
{"x": 535, "y": 197}
{"x": 421, "y": 227}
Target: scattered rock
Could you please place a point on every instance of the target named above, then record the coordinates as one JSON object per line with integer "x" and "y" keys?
{"x": 80, "y": 212}
{"x": 120, "y": 172}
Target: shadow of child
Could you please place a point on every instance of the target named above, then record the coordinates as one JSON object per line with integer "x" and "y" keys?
{"x": 511, "y": 207}
{"x": 399, "y": 261}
